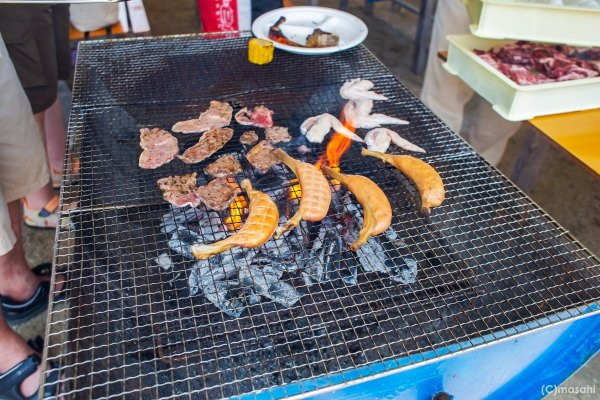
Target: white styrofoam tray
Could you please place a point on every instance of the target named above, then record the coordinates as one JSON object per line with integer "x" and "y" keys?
{"x": 512, "y": 19}
{"x": 512, "y": 101}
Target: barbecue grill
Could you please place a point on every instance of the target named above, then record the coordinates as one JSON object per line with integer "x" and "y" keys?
{"x": 485, "y": 266}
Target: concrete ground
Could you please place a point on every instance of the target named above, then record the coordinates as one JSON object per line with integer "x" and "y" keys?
{"x": 564, "y": 189}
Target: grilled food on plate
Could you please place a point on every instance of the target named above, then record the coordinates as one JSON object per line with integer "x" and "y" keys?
{"x": 316, "y": 194}
{"x": 424, "y": 176}
{"x": 159, "y": 146}
{"x": 209, "y": 143}
{"x": 376, "y": 206}
{"x": 257, "y": 230}
{"x": 217, "y": 116}
{"x": 379, "y": 139}
{"x": 260, "y": 116}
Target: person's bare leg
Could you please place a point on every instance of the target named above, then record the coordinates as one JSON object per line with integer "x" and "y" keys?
{"x": 13, "y": 350}
{"x": 55, "y": 135}
{"x": 17, "y": 281}
{"x": 38, "y": 199}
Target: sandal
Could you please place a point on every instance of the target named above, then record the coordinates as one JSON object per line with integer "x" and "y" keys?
{"x": 10, "y": 381}
{"x": 46, "y": 218}
{"x": 16, "y": 312}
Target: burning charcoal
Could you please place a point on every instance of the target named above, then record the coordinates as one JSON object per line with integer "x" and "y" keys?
{"x": 224, "y": 295}
{"x": 164, "y": 261}
{"x": 265, "y": 282}
{"x": 181, "y": 242}
{"x": 350, "y": 275}
{"x": 325, "y": 253}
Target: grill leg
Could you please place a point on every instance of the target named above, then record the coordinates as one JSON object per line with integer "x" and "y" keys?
{"x": 529, "y": 161}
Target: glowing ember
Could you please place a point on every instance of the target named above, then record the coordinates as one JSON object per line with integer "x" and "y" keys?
{"x": 236, "y": 209}
{"x": 295, "y": 190}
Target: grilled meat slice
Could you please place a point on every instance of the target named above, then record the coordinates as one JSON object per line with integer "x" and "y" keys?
{"x": 276, "y": 134}
{"x": 260, "y": 225}
{"x": 217, "y": 194}
{"x": 316, "y": 194}
{"x": 262, "y": 157}
{"x": 319, "y": 38}
{"x": 260, "y": 116}
{"x": 424, "y": 176}
{"x": 217, "y": 116}
{"x": 225, "y": 166}
{"x": 180, "y": 190}
{"x": 249, "y": 138}
{"x": 209, "y": 143}
{"x": 159, "y": 146}
{"x": 376, "y": 206}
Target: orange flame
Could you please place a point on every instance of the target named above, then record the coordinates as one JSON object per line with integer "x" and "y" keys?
{"x": 236, "y": 209}
{"x": 337, "y": 146}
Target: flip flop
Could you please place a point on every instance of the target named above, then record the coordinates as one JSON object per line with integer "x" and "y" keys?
{"x": 16, "y": 312}
{"x": 10, "y": 381}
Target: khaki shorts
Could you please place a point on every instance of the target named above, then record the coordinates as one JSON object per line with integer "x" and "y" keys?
{"x": 23, "y": 163}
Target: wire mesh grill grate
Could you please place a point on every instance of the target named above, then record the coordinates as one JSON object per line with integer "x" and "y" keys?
{"x": 490, "y": 263}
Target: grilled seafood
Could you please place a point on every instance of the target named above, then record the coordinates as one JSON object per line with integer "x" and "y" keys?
{"x": 379, "y": 139}
{"x": 260, "y": 225}
{"x": 316, "y": 194}
{"x": 424, "y": 176}
{"x": 316, "y": 128}
{"x": 217, "y": 116}
{"x": 376, "y": 206}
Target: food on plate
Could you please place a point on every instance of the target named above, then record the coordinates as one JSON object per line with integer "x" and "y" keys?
{"x": 320, "y": 38}
{"x": 225, "y": 166}
{"x": 260, "y": 116}
{"x": 316, "y": 194}
{"x": 249, "y": 138}
{"x": 529, "y": 63}
{"x": 376, "y": 206}
{"x": 358, "y": 89}
{"x": 209, "y": 143}
{"x": 217, "y": 194}
{"x": 316, "y": 128}
{"x": 262, "y": 156}
{"x": 358, "y": 114}
{"x": 159, "y": 146}
{"x": 424, "y": 176}
{"x": 379, "y": 139}
{"x": 180, "y": 190}
{"x": 217, "y": 116}
{"x": 276, "y": 134}
{"x": 260, "y": 225}
{"x": 276, "y": 35}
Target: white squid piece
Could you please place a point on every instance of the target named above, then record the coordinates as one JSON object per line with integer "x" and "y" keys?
{"x": 316, "y": 128}
{"x": 356, "y": 89}
{"x": 379, "y": 139}
{"x": 358, "y": 113}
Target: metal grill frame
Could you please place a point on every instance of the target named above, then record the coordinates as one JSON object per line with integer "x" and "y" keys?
{"x": 438, "y": 318}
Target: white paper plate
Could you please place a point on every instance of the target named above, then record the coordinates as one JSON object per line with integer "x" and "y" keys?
{"x": 301, "y": 21}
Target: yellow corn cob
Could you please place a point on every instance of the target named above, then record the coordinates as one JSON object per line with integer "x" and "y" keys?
{"x": 260, "y": 51}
